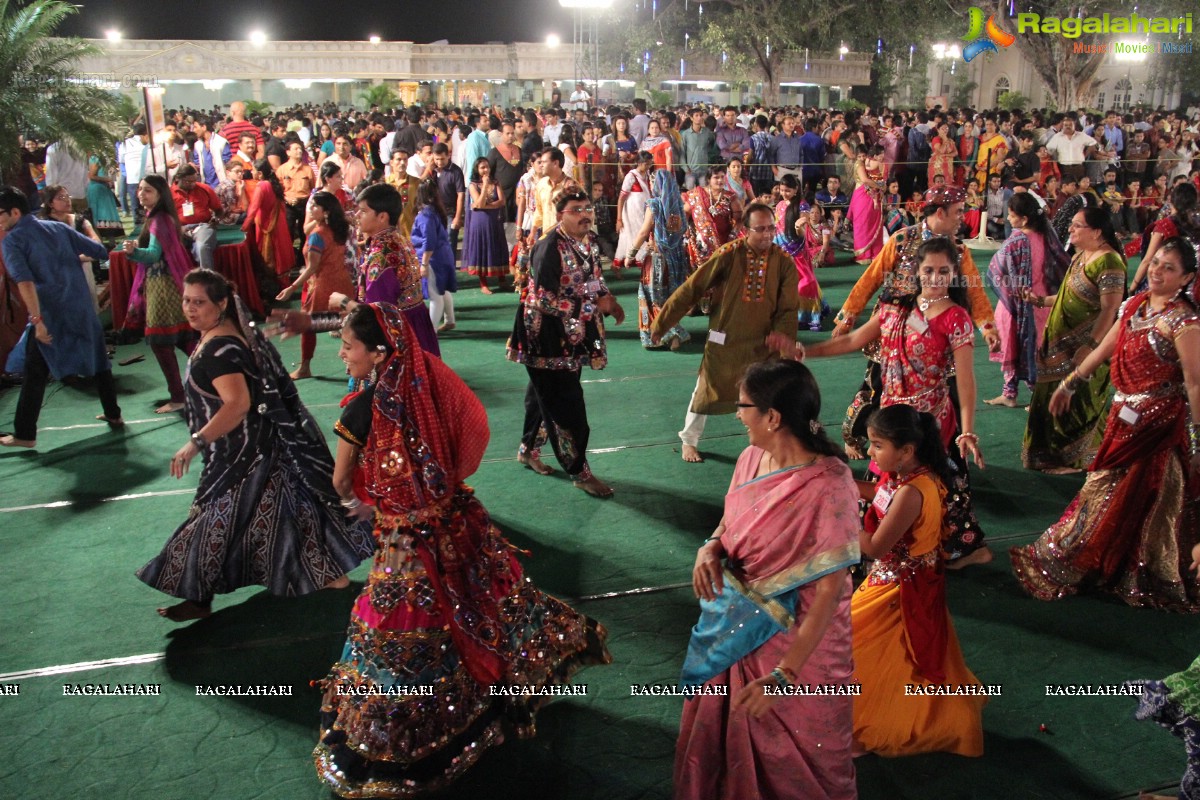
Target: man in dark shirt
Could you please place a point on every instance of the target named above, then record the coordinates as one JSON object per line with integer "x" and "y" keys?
{"x": 812, "y": 149}
{"x": 409, "y": 137}
{"x": 532, "y": 144}
{"x": 557, "y": 330}
{"x": 1023, "y": 168}
{"x": 835, "y": 203}
{"x": 452, "y": 188}
{"x": 275, "y": 151}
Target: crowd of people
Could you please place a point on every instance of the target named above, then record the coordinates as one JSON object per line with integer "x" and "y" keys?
{"x": 728, "y": 215}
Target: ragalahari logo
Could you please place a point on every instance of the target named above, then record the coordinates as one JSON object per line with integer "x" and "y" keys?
{"x": 992, "y": 35}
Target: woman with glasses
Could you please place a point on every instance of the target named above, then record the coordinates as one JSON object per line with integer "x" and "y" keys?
{"x": 1080, "y": 315}
{"x": 774, "y": 609}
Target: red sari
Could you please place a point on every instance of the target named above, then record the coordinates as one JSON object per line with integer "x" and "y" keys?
{"x": 1131, "y": 529}
{"x": 445, "y": 605}
{"x": 267, "y": 223}
{"x": 712, "y": 223}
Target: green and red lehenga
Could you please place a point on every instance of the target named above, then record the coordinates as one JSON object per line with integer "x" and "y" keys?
{"x": 1131, "y": 529}
{"x": 446, "y": 616}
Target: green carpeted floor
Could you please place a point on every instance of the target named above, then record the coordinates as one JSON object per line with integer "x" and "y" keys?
{"x": 91, "y": 506}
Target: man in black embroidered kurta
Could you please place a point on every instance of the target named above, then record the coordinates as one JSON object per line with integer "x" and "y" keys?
{"x": 559, "y": 327}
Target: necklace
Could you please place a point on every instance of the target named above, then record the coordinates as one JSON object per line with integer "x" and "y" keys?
{"x": 925, "y": 303}
{"x": 773, "y": 466}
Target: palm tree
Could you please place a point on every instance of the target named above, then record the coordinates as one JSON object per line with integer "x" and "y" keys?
{"x": 41, "y": 94}
{"x": 382, "y": 95}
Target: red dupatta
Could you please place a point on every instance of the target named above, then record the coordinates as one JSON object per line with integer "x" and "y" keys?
{"x": 428, "y": 433}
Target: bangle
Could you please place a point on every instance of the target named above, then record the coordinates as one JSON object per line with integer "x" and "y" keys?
{"x": 966, "y": 435}
{"x": 345, "y": 302}
{"x": 35, "y": 319}
{"x": 780, "y": 678}
{"x": 198, "y": 440}
{"x": 351, "y": 504}
{"x": 710, "y": 539}
{"x": 1071, "y": 383}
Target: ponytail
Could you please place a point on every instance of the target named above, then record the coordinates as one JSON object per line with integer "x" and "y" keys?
{"x": 903, "y": 425}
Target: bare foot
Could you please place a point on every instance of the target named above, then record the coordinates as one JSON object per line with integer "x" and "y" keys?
{"x": 595, "y": 487}
{"x": 300, "y": 374}
{"x": 1061, "y": 470}
{"x": 12, "y": 441}
{"x": 112, "y": 423}
{"x": 182, "y": 612}
{"x": 485, "y": 290}
{"x": 1010, "y": 402}
{"x": 981, "y": 556}
{"x": 169, "y": 408}
{"x": 692, "y": 455}
{"x": 445, "y": 326}
{"x": 676, "y": 343}
{"x": 340, "y": 583}
{"x": 534, "y": 463}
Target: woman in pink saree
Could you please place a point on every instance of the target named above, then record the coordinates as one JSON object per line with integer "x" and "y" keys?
{"x": 866, "y": 205}
{"x": 787, "y": 538}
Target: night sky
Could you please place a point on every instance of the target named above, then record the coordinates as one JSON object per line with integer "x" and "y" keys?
{"x": 459, "y": 21}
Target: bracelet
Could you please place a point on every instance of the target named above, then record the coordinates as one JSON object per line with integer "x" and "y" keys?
{"x": 35, "y": 319}
{"x": 351, "y": 504}
{"x": 780, "y": 678}
{"x": 710, "y": 539}
{"x": 1193, "y": 430}
{"x": 198, "y": 440}
{"x": 966, "y": 435}
{"x": 1070, "y": 383}
{"x": 345, "y": 302}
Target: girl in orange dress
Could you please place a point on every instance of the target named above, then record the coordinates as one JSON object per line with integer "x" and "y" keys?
{"x": 918, "y": 696}
{"x": 324, "y": 269}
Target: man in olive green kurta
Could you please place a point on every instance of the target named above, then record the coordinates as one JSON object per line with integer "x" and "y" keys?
{"x": 754, "y": 293}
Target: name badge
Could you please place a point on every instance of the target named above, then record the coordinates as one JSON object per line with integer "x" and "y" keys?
{"x": 917, "y": 324}
{"x": 1129, "y": 415}
{"x": 593, "y": 287}
{"x": 189, "y": 208}
{"x": 716, "y": 337}
{"x": 883, "y": 499}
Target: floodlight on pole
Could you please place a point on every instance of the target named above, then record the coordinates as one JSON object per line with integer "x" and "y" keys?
{"x": 553, "y": 40}
{"x": 113, "y": 35}
{"x": 375, "y": 39}
{"x": 258, "y": 38}
{"x": 586, "y": 39}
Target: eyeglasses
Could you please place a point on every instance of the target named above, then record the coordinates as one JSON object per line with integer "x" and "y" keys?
{"x": 761, "y": 228}
{"x": 580, "y": 210}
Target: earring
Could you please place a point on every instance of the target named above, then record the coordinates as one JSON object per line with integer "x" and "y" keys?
{"x": 373, "y": 377}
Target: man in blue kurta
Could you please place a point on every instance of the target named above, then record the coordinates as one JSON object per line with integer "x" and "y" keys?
{"x": 64, "y": 336}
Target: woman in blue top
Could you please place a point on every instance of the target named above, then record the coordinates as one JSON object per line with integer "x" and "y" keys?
{"x": 431, "y": 242}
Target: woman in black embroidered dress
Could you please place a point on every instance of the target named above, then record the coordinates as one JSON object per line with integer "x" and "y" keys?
{"x": 265, "y": 511}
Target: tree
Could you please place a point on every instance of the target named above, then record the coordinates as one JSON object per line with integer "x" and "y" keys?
{"x": 1013, "y": 100}
{"x": 962, "y": 89}
{"x": 42, "y": 93}
{"x": 380, "y": 95}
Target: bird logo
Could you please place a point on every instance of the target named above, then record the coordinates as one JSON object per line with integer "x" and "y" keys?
{"x": 984, "y": 37}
